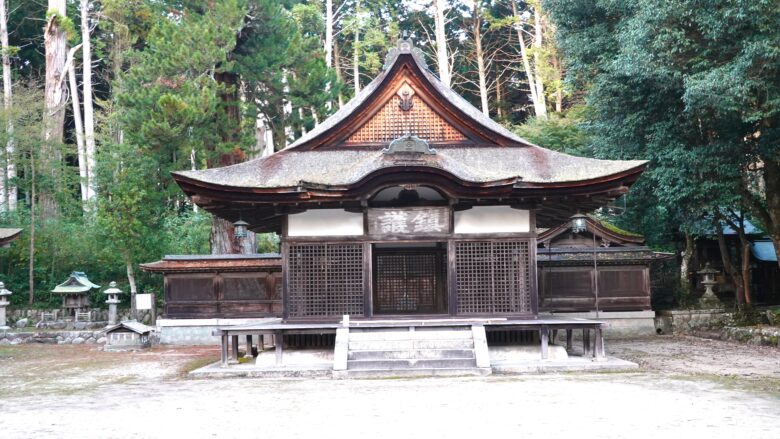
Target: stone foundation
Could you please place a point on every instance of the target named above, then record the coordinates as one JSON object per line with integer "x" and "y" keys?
{"x": 622, "y": 324}
{"x": 195, "y": 331}
{"x": 687, "y": 320}
{"x": 52, "y": 337}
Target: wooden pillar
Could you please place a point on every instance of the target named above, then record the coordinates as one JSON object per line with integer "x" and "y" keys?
{"x": 223, "y": 355}
{"x": 599, "y": 353}
{"x": 248, "y": 347}
{"x": 545, "y": 336}
{"x": 554, "y": 336}
{"x": 585, "y": 342}
{"x": 234, "y": 347}
{"x": 568, "y": 340}
{"x": 278, "y": 345}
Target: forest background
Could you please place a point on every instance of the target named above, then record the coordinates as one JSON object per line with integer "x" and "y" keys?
{"x": 103, "y": 98}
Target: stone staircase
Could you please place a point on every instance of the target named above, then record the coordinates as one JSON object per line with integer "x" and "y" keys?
{"x": 411, "y": 351}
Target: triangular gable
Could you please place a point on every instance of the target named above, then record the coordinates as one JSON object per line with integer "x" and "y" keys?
{"x": 431, "y": 111}
{"x": 406, "y": 113}
{"x": 604, "y": 233}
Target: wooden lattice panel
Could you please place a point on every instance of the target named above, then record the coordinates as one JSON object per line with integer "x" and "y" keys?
{"x": 408, "y": 282}
{"x": 391, "y": 122}
{"x": 493, "y": 277}
{"x": 325, "y": 280}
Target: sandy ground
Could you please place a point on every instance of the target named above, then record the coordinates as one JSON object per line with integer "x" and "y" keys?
{"x": 686, "y": 386}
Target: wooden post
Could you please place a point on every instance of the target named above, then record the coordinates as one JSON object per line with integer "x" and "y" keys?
{"x": 585, "y": 342}
{"x": 568, "y": 340}
{"x": 554, "y": 336}
{"x": 223, "y": 355}
{"x": 278, "y": 345}
{"x": 154, "y": 309}
{"x": 599, "y": 353}
{"x": 234, "y": 347}
{"x": 248, "y": 347}
{"x": 545, "y": 336}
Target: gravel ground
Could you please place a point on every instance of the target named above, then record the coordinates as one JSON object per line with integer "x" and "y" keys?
{"x": 686, "y": 386}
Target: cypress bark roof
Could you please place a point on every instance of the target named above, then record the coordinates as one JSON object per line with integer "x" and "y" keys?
{"x": 444, "y": 142}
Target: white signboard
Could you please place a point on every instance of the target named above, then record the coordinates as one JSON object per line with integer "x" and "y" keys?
{"x": 143, "y": 301}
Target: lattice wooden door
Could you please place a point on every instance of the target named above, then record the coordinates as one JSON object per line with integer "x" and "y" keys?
{"x": 493, "y": 277}
{"x": 409, "y": 282}
{"x": 324, "y": 280}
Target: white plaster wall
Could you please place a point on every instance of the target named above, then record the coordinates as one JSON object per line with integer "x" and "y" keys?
{"x": 325, "y": 222}
{"x": 492, "y": 219}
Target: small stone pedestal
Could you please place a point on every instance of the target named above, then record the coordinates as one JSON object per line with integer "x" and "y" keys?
{"x": 4, "y": 293}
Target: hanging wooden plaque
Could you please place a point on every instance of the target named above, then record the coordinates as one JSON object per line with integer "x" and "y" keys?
{"x": 409, "y": 221}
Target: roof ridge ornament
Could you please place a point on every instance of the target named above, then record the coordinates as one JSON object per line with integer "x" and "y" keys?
{"x": 405, "y": 45}
{"x": 409, "y": 144}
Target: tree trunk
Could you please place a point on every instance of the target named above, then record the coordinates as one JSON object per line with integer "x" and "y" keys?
{"x": 337, "y": 67}
{"x": 31, "y": 262}
{"x": 685, "y": 264}
{"x": 133, "y": 287}
{"x": 767, "y": 207}
{"x": 556, "y": 64}
{"x": 79, "y": 128}
{"x": 9, "y": 186}
{"x": 529, "y": 74}
{"x": 55, "y": 44}
{"x": 442, "y": 59}
{"x": 483, "y": 92}
{"x": 329, "y": 33}
{"x": 89, "y": 114}
{"x": 745, "y": 263}
{"x": 222, "y": 231}
{"x": 728, "y": 266}
{"x": 355, "y": 50}
{"x": 499, "y": 103}
{"x": 541, "y": 102}
{"x": 221, "y": 238}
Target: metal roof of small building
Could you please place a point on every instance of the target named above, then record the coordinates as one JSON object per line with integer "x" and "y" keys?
{"x": 9, "y": 234}
{"x": 78, "y": 282}
{"x": 137, "y": 327}
{"x": 764, "y": 251}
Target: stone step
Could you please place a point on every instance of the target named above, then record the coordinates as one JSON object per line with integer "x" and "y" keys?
{"x": 408, "y": 373}
{"x": 418, "y": 334}
{"x": 394, "y": 364}
{"x": 398, "y": 345}
{"x": 411, "y": 354}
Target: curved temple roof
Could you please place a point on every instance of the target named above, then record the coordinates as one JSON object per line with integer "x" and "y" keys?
{"x": 337, "y": 159}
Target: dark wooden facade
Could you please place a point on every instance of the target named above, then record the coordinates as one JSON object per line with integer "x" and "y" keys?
{"x": 407, "y": 201}
{"x": 223, "y": 286}
{"x": 570, "y": 280}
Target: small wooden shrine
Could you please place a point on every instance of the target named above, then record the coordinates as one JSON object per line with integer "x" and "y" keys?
{"x": 570, "y": 254}
{"x": 127, "y": 336}
{"x": 75, "y": 292}
{"x": 408, "y": 201}
{"x": 8, "y": 235}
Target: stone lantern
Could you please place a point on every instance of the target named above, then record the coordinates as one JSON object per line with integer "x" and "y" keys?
{"x": 3, "y": 303}
{"x": 709, "y": 299}
{"x": 112, "y": 292}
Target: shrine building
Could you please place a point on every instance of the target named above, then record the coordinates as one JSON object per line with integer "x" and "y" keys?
{"x": 408, "y": 201}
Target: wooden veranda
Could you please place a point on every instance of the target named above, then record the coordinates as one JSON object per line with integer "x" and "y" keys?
{"x": 547, "y": 329}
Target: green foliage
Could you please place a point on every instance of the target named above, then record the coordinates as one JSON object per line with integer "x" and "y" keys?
{"x": 681, "y": 83}
{"x": 559, "y": 132}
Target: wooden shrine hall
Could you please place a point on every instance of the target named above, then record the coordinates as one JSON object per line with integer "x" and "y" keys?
{"x": 407, "y": 203}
